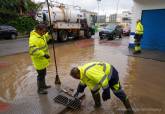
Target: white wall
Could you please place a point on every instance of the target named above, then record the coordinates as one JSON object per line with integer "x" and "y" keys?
{"x": 140, "y": 5}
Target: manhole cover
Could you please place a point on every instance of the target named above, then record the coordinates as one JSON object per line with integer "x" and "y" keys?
{"x": 69, "y": 102}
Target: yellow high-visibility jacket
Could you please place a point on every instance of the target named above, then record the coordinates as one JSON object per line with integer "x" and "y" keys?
{"x": 139, "y": 28}
{"x": 95, "y": 75}
{"x": 38, "y": 48}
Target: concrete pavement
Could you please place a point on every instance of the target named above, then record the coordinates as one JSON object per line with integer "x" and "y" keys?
{"x": 9, "y": 47}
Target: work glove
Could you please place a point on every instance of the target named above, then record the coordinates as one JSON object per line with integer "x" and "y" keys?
{"x": 106, "y": 94}
{"x": 46, "y": 56}
{"x": 76, "y": 94}
{"x": 80, "y": 89}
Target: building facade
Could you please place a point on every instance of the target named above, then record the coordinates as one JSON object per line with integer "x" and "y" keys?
{"x": 123, "y": 19}
{"x": 101, "y": 19}
{"x": 152, "y": 15}
{"x": 126, "y": 19}
{"x": 115, "y": 18}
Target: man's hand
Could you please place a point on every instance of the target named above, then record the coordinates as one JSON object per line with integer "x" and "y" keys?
{"x": 80, "y": 89}
{"x": 76, "y": 94}
{"x": 50, "y": 30}
{"x": 46, "y": 56}
{"x": 106, "y": 94}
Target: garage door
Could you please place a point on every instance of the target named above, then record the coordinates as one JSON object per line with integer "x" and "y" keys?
{"x": 154, "y": 29}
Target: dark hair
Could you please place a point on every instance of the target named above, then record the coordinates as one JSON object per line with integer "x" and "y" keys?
{"x": 41, "y": 26}
{"x": 74, "y": 71}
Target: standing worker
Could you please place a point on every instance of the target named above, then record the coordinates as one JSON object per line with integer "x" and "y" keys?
{"x": 98, "y": 75}
{"x": 38, "y": 49}
{"x": 138, "y": 36}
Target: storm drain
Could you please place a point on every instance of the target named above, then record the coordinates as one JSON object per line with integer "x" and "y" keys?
{"x": 72, "y": 103}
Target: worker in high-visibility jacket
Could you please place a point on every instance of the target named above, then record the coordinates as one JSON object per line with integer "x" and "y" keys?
{"x": 96, "y": 75}
{"x": 138, "y": 35}
{"x": 39, "y": 53}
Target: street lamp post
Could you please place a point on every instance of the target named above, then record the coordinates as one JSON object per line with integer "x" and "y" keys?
{"x": 98, "y": 1}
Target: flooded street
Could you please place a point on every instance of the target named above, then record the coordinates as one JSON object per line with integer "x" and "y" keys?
{"x": 142, "y": 79}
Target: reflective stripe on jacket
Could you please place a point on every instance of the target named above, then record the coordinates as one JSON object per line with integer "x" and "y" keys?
{"x": 95, "y": 75}
{"x": 38, "y": 48}
{"x": 139, "y": 28}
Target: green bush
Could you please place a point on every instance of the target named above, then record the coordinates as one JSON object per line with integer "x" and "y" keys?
{"x": 6, "y": 16}
{"x": 23, "y": 24}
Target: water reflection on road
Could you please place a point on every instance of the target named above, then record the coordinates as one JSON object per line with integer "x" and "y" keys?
{"x": 142, "y": 79}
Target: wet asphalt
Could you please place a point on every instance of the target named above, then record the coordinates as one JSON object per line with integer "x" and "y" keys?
{"x": 142, "y": 77}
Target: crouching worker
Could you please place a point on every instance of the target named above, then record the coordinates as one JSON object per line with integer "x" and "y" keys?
{"x": 98, "y": 75}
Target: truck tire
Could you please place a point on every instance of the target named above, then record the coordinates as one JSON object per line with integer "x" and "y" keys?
{"x": 120, "y": 36}
{"x": 53, "y": 38}
{"x": 111, "y": 37}
{"x": 77, "y": 35}
{"x": 62, "y": 36}
{"x": 101, "y": 37}
{"x": 88, "y": 34}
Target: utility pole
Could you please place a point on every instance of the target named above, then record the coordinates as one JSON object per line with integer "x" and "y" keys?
{"x": 98, "y": 2}
{"x": 117, "y": 8}
{"x": 98, "y": 18}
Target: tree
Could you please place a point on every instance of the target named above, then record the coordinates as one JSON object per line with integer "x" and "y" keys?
{"x": 21, "y": 7}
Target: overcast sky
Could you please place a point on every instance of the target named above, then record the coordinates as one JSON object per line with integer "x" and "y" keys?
{"x": 105, "y": 6}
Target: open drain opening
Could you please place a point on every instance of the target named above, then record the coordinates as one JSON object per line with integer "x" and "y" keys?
{"x": 69, "y": 102}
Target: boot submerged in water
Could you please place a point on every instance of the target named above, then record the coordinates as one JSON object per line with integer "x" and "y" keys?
{"x": 97, "y": 100}
{"x": 42, "y": 91}
{"x": 128, "y": 107}
{"x": 46, "y": 87}
{"x": 40, "y": 85}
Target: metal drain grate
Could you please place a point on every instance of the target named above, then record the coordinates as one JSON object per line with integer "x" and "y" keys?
{"x": 72, "y": 103}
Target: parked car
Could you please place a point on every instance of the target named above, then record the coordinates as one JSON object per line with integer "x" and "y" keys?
{"x": 111, "y": 31}
{"x": 8, "y": 32}
{"x": 126, "y": 31}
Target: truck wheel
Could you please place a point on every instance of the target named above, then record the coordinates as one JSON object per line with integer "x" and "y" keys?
{"x": 77, "y": 36}
{"x": 111, "y": 37}
{"x": 120, "y": 36}
{"x": 53, "y": 38}
{"x": 89, "y": 34}
{"x": 101, "y": 37}
{"x": 63, "y": 36}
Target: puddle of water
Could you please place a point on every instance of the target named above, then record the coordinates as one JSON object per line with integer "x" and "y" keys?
{"x": 140, "y": 78}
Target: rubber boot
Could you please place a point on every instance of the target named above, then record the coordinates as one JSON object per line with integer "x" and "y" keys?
{"x": 137, "y": 49}
{"x": 123, "y": 97}
{"x": 41, "y": 87}
{"x": 97, "y": 100}
{"x": 46, "y": 86}
{"x": 128, "y": 106}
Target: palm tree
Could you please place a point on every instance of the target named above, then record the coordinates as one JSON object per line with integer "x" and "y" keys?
{"x": 8, "y": 5}
{"x": 21, "y": 6}
{"x": 18, "y": 6}
{"x": 25, "y": 6}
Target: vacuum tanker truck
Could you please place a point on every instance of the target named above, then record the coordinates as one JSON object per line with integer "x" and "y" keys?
{"x": 68, "y": 22}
